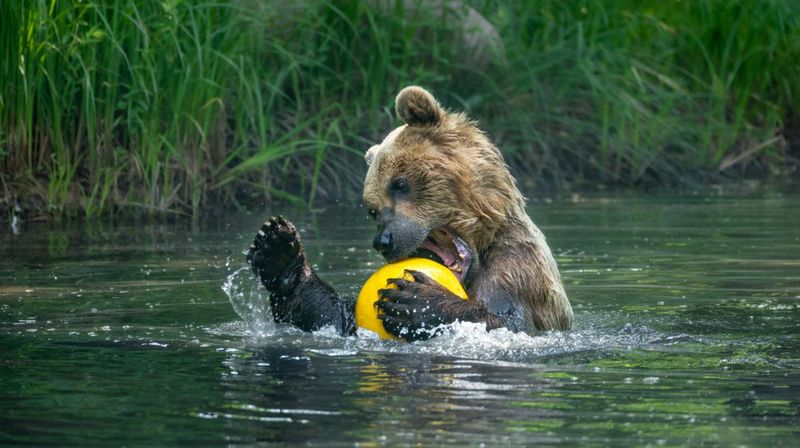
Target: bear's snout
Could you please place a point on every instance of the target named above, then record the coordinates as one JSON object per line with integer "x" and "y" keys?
{"x": 398, "y": 235}
{"x": 384, "y": 242}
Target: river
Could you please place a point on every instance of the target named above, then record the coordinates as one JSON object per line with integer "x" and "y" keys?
{"x": 687, "y": 332}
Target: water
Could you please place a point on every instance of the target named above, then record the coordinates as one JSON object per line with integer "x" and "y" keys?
{"x": 686, "y": 333}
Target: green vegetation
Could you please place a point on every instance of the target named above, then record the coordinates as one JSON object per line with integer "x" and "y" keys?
{"x": 175, "y": 105}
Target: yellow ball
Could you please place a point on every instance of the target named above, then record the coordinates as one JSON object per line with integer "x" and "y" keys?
{"x": 367, "y": 314}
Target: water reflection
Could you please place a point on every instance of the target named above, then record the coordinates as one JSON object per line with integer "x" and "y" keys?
{"x": 377, "y": 397}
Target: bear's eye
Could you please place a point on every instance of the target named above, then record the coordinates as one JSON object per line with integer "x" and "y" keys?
{"x": 400, "y": 185}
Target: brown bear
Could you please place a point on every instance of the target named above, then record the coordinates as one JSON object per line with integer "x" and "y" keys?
{"x": 438, "y": 188}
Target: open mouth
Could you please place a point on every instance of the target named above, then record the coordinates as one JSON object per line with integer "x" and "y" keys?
{"x": 442, "y": 246}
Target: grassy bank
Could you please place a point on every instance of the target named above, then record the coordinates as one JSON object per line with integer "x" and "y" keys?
{"x": 173, "y": 106}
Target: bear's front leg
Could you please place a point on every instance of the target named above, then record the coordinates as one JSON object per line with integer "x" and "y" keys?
{"x": 417, "y": 310}
{"x": 296, "y": 295}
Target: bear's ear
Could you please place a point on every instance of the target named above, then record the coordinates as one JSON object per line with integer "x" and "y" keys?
{"x": 370, "y": 155}
{"x": 417, "y": 107}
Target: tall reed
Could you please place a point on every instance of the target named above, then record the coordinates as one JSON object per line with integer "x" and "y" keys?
{"x": 173, "y": 106}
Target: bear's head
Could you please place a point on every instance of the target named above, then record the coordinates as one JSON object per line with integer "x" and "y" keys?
{"x": 437, "y": 187}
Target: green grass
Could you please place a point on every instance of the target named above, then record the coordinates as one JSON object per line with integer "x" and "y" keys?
{"x": 174, "y": 106}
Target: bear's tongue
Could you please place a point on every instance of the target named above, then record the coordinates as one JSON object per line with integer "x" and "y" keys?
{"x": 452, "y": 251}
{"x": 448, "y": 258}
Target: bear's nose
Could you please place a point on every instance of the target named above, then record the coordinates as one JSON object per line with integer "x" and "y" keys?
{"x": 383, "y": 242}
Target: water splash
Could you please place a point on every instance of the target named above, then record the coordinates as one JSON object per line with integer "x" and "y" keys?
{"x": 248, "y": 300}
{"x": 462, "y": 339}
{"x": 471, "y": 340}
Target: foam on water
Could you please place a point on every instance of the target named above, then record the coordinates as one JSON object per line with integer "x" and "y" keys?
{"x": 462, "y": 339}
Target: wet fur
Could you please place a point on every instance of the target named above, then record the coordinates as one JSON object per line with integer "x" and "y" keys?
{"x": 459, "y": 180}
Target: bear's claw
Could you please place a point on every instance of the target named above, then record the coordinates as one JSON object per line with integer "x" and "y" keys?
{"x": 276, "y": 251}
